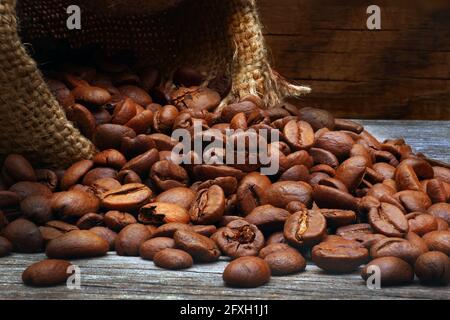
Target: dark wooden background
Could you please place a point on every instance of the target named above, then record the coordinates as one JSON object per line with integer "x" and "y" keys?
{"x": 399, "y": 72}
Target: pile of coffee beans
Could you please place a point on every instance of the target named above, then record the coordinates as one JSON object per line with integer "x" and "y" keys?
{"x": 339, "y": 197}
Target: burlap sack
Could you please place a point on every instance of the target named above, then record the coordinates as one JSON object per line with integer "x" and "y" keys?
{"x": 215, "y": 35}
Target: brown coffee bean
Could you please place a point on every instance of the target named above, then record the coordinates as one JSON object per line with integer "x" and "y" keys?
{"x": 124, "y": 111}
{"x": 229, "y": 185}
{"x": 208, "y": 172}
{"x": 433, "y": 268}
{"x": 107, "y": 234}
{"x": 61, "y": 226}
{"x": 141, "y": 122}
{"x": 142, "y": 163}
{"x": 351, "y": 172}
{"x": 109, "y": 136}
{"x": 305, "y": 228}
{"x": 251, "y": 191}
{"x": 393, "y": 271}
{"x": 201, "y": 98}
{"x": 205, "y": 230}
{"x": 438, "y": 241}
{"x": 5, "y": 247}
{"x": 187, "y": 77}
{"x": 27, "y": 189}
{"x": 347, "y": 125}
{"x": 173, "y": 259}
{"x": 247, "y": 272}
{"x": 338, "y": 143}
{"x": 169, "y": 229}
{"x": 74, "y": 204}
{"x": 406, "y": 178}
{"x": 208, "y": 206}
{"x": 329, "y": 197}
{"x": 436, "y": 190}
{"x": 77, "y": 244}
{"x": 413, "y": 201}
{"x": 276, "y": 237}
{"x": 417, "y": 241}
{"x": 90, "y": 95}
{"x": 110, "y": 158}
{"x": 138, "y": 95}
{"x": 133, "y": 147}
{"x": 201, "y": 248}
{"x": 130, "y": 238}
{"x": 128, "y": 176}
{"x": 101, "y": 116}
{"x": 116, "y": 220}
{"x": 395, "y": 247}
{"x": 60, "y": 92}
{"x": 104, "y": 185}
{"x": 239, "y": 238}
{"x": 321, "y": 156}
{"x": 37, "y": 209}
{"x": 98, "y": 173}
{"x": 49, "y": 233}
{"x": 421, "y": 223}
{"x": 299, "y": 134}
{"x": 164, "y": 119}
{"x": 24, "y": 235}
{"x": 151, "y": 247}
{"x": 268, "y": 218}
{"x": 129, "y": 197}
{"x": 16, "y": 169}
{"x": 317, "y": 118}
{"x": 285, "y": 262}
{"x": 388, "y": 220}
{"x": 83, "y": 119}
{"x": 158, "y": 213}
{"x": 295, "y": 173}
{"x": 442, "y": 225}
{"x": 440, "y": 210}
{"x": 167, "y": 175}
{"x": 274, "y": 247}
{"x": 181, "y": 196}
{"x": 89, "y": 221}
{"x": 46, "y": 273}
{"x": 281, "y": 193}
{"x": 338, "y": 218}
{"x": 48, "y": 178}
{"x": 339, "y": 256}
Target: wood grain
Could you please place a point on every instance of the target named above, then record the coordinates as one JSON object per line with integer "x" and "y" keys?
{"x": 399, "y": 72}
{"x": 114, "y": 277}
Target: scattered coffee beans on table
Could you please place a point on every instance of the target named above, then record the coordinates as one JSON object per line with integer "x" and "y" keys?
{"x": 180, "y": 179}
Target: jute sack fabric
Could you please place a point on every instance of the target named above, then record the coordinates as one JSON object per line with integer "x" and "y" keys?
{"x": 217, "y": 36}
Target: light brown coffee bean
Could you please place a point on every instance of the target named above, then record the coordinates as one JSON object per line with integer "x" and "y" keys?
{"x": 77, "y": 244}
{"x": 46, "y": 273}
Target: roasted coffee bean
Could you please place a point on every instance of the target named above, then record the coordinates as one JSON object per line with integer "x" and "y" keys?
{"x": 395, "y": 247}
{"x": 169, "y": 229}
{"x": 421, "y": 223}
{"x": 37, "y": 209}
{"x": 27, "y": 189}
{"x": 16, "y": 169}
{"x": 91, "y": 95}
{"x": 181, "y": 196}
{"x": 281, "y": 193}
{"x": 338, "y": 143}
{"x": 208, "y": 206}
{"x": 151, "y": 247}
{"x": 438, "y": 241}
{"x": 299, "y": 134}
{"x": 352, "y": 171}
{"x": 433, "y": 268}
{"x": 413, "y": 201}
{"x": 138, "y": 95}
{"x": 49, "y": 233}
{"x": 305, "y": 228}
{"x": 208, "y": 172}
{"x": 295, "y": 173}
{"x": 98, "y": 173}
{"x": 48, "y": 178}
{"x": 317, "y": 118}
{"x": 130, "y": 238}
{"x": 205, "y": 230}
{"x": 275, "y": 247}
{"x": 167, "y": 175}
{"x": 89, "y": 221}
{"x": 285, "y": 262}
{"x": 436, "y": 190}
{"x": 109, "y": 136}
{"x": 247, "y": 272}
{"x": 440, "y": 210}
{"x": 321, "y": 156}
{"x": 173, "y": 259}
{"x": 132, "y": 147}
{"x": 107, "y": 234}
{"x": 128, "y": 176}
{"x": 77, "y": 244}
{"x": 104, "y": 185}
{"x": 406, "y": 178}
{"x": 46, "y": 273}
{"x": 347, "y": 125}
{"x": 158, "y": 213}
{"x": 442, "y": 225}
{"x": 24, "y": 235}
{"x": 339, "y": 256}
{"x": 239, "y": 238}
{"x": 187, "y": 77}
{"x": 163, "y": 142}
{"x": 142, "y": 163}
{"x": 295, "y": 206}
{"x": 338, "y": 218}
{"x": 228, "y": 184}
{"x": 116, "y": 220}
{"x": 129, "y": 197}
{"x": 388, "y": 220}
{"x": 393, "y": 271}
{"x": 124, "y": 111}
{"x": 276, "y": 237}
{"x": 201, "y": 98}
{"x": 251, "y": 191}
{"x": 83, "y": 119}
{"x": 164, "y": 119}
{"x": 268, "y": 218}
{"x": 201, "y": 248}
{"x": 61, "y": 225}
{"x": 74, "y": 204}
{"x": 331, "y": 198}
{"x": 110, "y": 158}
{"x": 5, "y": 247}
{"x": 417, "y": 241}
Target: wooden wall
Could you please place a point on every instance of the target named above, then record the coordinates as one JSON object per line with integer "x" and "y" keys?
{"x": 399, "y": 72}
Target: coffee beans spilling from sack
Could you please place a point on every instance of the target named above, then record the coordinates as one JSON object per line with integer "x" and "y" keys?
{"x": 314, "y": 187}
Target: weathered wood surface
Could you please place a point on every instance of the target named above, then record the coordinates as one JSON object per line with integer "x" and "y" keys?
{"x": 399, "y": 72}
{"x": 113, "y": 277}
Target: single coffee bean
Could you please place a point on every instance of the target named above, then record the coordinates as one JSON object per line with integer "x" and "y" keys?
{"x": 138, "y": 95}
{"x": 158, "y": 213}
{"x": 347, "y": 125}
{"x": 208, "y": 172}
{"x": 61, "y": 225}
{"x": 322, "y": 156}
{"x": 239, "y": 238}
{"x": 338, "y": 218}
{"x": 132, "y": 147}
{"x": 110, "y": 158}
{"x": 338, "y": 143}
{"x": 205, "y": 230}
{"x": 436, "y": 190}
{"x": 48, "y": 178}
{"x": 393, "y": 271}
{"x": 5, "y": 247}
{"x": 299, "y": 134}
{"x": 187, "y": 77}
{"x": 116, "y": 220}
{"x": 442, "y": 225}
{"x": 420, "y": 223}
{"x": 104, "y": 185}
{"x": 124, "y": 111}
{"x": 228, "y": 184}
{"x": 24, "y": 235}
{"x": 388, "y": 220}
{"x": 285, "y": 262}
{"x": 130, "y": 238}
{"x": 164, "y": 119}
{"x": 295, "y": 206}
{"x": 74, "y": 204}
{"x": 169, "y": 229}
{"x": 109, "y": 136}
{"x": 440, "y": 210}
{"x": 98, "y": 173}
{"x": 128, "y": 176}
{"x": 352, "y": 171}
{"x": 77, "y": 244}
{"x": 173, "y": 259}
{"x": 26, "y": 189}
{"x": 247, "y": 272}
{"x": 406, "y": 178}
{"x": 151, "y": 247}
{"x": 74, "y": 173}
{"x": 201, "y": 98}
{"x": 339, "y": 256}
{"x": 274, "y": 247}
{"x": 395, "y": 247}
{"x": 46, "y": 273}
{"x": 305, "y": 228}
{"x": 268, "y": 218}
{"x": 438, "y": 241}
{"x": 331, "y": 198}
{"x": 276, "y": 237}
{"x": 281, "y": 193}
{"x": 16, "y": 169}
{"x": 129, "y": 197}
{"x": 107, "y": 234}
{"x": 417, "y": 241}
{"x": 201, "y": 248}
{"x": 167, "y": 175}
{"x": 433, "y": 268}
{"x": 208, "y": 206}
{"x": 49, "y": 233}
{"x": 89, "y": 221}
{"x": 142, "y": 163}
{"x": 181, "y": 196}
{"x": 91, "y": 95}
{"x": 317, "y": 118}
{"x": 83, "y": 119}
{"x": 37, "y": 209}
{"x": 251, "y": 191}
{"x": 413, "y": 201}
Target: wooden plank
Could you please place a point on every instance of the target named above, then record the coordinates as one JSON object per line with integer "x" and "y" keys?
{"x": 114, "y": 277}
